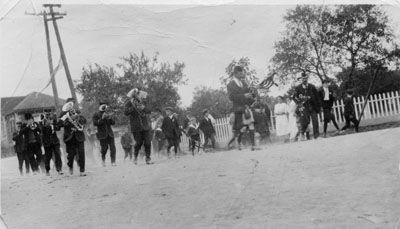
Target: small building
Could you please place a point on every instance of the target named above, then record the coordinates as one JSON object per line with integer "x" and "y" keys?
{"x": 13, "y": 110}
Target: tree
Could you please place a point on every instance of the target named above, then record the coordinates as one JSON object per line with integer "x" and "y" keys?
{"x": 361, "y": 34}
{"x": 100, "y": 83}
{"x": 215, "y": 100}
{"x": 153, "y": 77}
{"x": 387, "y": 81}
{"x": 304, "y": 46}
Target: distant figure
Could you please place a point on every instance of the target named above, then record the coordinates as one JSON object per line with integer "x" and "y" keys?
{"x": 292, "y": 124}
{"x": 103, "y": 119}
{"x": 281, "y": 117}
{"x": 159, "y": 136}
{"x": 349, "y": 111}
{"x": 308, "y": 94}
{"x": 328, "y": 97}
{"x": 207, "y": 127}
{"x": 20, "y": 149}
{"x": 171, "y": 130}
{"x": 50, "y": 126}
{"x": 127, "y": 142}
{"x": 248, "y": 126}
{"x": 33, "y": 143}
{"x": 194, "y": 135}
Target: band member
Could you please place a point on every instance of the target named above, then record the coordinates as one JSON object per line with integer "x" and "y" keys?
{"x": 20, "y": 149}
{"x": 328, "y": 97}
{"x": 308, "y": 92}
{"x": 103, "y": 120}
{"x": 51, "y": 143}
{"x": 208, "y": 130}
{"x": 240, "y": 95}
{"x": 171, "y": 130}
{"x": 140, "y": 124}
{"x": 33, "y": 142}
{"x": 74, "y": 137}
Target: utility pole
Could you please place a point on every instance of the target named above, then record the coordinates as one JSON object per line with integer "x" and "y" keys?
{"x": 60, "y": 45}
{"x": 53, "y": 80}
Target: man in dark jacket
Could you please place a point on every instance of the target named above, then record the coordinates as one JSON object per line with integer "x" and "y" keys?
{"x": 240, "y": 95}
{"x": 20, "y": 149}
{"x": 207, "y": 128}
{"x": 140, "y": 127}
{"x": 171, "y": 130}
{"x": 51, "y": 143}
{"x": 33, "y": 143}
{"x": 103, "y": 120}
{"x": 328, "y": 96}
{"x": 308, "y": 92}
{"x": 74, "y": 137}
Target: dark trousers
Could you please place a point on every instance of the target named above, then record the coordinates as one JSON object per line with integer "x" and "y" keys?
{"x": 209, "y": 136}
{"x": 104, "y": 144}
{"x": 48, "y": 154}
{"x": 252, "y": 137}
{"x": 34, "y": 153}
{"x": 310, "y": 113}
{"x": 173, "y": 142}
{"x": 76, "y": 148}
{"x": 23, "y": 157}
{"x": 142, "y": 138}
{"x": 329, "y": 116}
{"x": 194, "y": 142}
{"x": 350, "y": 118}
{"x": 128, "y": 152}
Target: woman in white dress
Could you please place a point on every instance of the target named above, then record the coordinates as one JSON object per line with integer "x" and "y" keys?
{"x": 292, "y": 126}
{"x": 281, "y": 117}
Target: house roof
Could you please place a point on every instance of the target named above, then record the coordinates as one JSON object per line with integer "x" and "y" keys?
{"x": 36, "y": 100}
{"x": 8, "y": 104}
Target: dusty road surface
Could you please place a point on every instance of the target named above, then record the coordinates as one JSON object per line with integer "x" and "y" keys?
{"x": 350, "y": 181}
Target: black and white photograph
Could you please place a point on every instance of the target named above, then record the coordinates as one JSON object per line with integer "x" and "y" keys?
{"x": 200, "y": 114}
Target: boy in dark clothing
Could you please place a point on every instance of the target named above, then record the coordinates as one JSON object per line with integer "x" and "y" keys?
{"x": 20, "y": 149}
{"x": 159, "y": 137}
{"x": 51, "y": 143}
{"x": 193, "y": 134}
{"x": 349, "y": 111}
{"x": 127, "y": 142}
{"x": 207, "y": 128}
{"x": 170, "y": 128}
{"x": 33, "y": 143}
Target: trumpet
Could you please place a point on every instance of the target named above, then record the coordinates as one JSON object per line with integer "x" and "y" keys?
{"x": 108, "y": 111}
{"x": 72, "y": 116}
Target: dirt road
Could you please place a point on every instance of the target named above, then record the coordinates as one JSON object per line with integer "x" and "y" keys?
{"x": 350, "y": 181}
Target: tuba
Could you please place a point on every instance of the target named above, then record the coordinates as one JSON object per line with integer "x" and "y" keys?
{"x": 71, "y": 116}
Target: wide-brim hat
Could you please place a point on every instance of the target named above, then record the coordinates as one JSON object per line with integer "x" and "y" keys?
{"x": 168, "y": 108}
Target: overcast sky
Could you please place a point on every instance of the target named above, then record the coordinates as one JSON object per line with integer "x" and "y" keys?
{"x": 205, "y": 38}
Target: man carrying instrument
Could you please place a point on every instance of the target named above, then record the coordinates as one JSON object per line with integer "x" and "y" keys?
{"x": 103, "y": 119}
{"x": 240, "y": 95}
{"x": 74, "y": 136}
{"x": 51, "y": 143}
{"x": 33, "y": 142}
{"x": 140, "y": 123}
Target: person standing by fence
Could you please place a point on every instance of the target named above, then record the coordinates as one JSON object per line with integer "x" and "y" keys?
{"x": 349, "y": 111}
{"x": 207, "y": 127}
{"x": 328, "y": 97}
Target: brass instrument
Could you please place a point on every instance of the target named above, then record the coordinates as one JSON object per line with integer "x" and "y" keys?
{"x": 72, "y": 116}
{"x": 137, "y": 96}
{"x": 108, "y": 111}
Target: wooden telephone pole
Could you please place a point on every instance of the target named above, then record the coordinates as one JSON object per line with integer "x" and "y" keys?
{"x": 60, "y": 45}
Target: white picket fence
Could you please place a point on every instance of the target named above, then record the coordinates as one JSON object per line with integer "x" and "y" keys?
{"x": 378, "y": 106}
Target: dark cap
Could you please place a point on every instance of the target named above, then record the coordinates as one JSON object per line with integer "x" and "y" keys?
{"x": 27, "y": 116}
{"x": 326, "y": 81}
{"x": 103, "y": 102}
{"x": 168, "y": 109}
{"x": 304, "y": 75}
{"x": 349, "y": 91}
{"x": 70, "y": 99}
{"x": 237, "y": 69}
{"x": 205, "y": 111}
